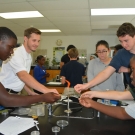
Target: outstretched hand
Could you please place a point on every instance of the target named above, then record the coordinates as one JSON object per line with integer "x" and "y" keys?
{"x": 52, "y": 90}
{"x": 89, "y": 94}
{"x": 80, "y": 87}
{"x": 86, "y": 102}
{"x": 51, "y": 97}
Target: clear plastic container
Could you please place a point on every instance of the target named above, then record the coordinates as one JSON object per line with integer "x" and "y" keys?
{"x": 62, "y": 123}
{"x": 39, "y": 110}
{"x": 107, "y": 101}
{"x": 35, "y": 133}
{"x": 55, "y": 129}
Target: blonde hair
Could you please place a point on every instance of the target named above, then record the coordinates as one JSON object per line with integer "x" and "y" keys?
{"x": 73, "y": 53}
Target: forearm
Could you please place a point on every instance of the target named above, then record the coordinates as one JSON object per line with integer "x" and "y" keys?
{"x": 29, "y": 91}
{"x": 31, "y": 82}
{"x": 116, "y": 112}
{"x": 17, "y": 100}
{"x": 11, "y": 100}
{"x": 97, "y": 79}
{"x": 102, "y": 76}
{"x": 115, "y": 95}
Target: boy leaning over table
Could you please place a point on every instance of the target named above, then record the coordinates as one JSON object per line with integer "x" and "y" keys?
{"x": 120, "y": 62}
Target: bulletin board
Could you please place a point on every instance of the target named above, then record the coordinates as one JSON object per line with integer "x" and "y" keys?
{"x": 58, "y": 52}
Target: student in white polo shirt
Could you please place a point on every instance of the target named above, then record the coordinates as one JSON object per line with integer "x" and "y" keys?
{"x": 15, "y": 71}
{"x": 8, "y": 41}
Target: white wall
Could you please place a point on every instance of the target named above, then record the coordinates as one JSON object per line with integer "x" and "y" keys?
{"x": 81, "y": 42}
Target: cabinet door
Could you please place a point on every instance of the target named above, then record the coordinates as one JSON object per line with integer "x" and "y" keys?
{"x": 52, "y": 73}
{"x": 55, "y": 73}
{"x": 31, "y": 72}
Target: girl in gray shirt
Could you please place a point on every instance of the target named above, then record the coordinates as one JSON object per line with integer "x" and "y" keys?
{"x": 114, "y": 82}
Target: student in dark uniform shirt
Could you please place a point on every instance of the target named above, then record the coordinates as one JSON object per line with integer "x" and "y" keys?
{"x": 73, "y": 70}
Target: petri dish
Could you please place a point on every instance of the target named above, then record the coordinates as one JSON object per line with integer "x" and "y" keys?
{"x": 62, "y": 123}
{"x": 55, "y": 129}
{"x": 35, "y": 133}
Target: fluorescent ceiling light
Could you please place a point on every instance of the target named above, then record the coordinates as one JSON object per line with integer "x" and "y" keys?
{"x": 113, "y": 11}
{"x": 25, "y": 14}
{"x": 50, "y": 30}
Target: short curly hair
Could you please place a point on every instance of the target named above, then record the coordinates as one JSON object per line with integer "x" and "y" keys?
{"x": 6, "y": 33}
{"x": 126, "y": 29}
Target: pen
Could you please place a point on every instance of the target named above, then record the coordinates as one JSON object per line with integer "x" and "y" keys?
{"x": 36, "y": 125}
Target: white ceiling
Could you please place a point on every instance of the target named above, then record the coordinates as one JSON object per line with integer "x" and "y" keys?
{"x": 72, "y": 17}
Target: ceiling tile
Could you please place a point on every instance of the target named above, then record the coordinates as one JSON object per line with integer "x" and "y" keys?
{"x": 16, "y": 7}
{"x": 65, "y": 13}
{"x": 60, "y": 4}
{"x": 72, "y": 17}
{"x": 111, "y": 4}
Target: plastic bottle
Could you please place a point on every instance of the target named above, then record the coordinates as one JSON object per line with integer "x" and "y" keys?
{"x": 107, "y": 101}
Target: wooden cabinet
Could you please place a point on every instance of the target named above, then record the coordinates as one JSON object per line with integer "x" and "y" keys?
{"x": 52, "y": 73}
{"x": 31, "y": 72}
{"x": 59, "y": 89}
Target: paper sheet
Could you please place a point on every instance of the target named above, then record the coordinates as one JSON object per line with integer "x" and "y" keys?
{"x": 57, "y": 83}
{"x": 15, "y": 125}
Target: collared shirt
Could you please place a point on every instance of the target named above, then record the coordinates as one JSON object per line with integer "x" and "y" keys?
{"x": 19, "y": 61}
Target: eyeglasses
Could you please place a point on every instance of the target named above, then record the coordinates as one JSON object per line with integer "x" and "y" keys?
{"x": 101, "y": 52}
